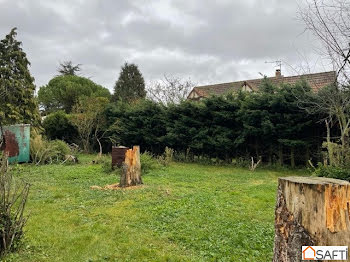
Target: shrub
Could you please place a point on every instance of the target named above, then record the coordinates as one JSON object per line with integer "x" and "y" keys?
{"x": 267, "y": 123}
{"x": 62, "y": 149}
{"x": 58, "y": 126}
{"x": 43, "y": 151}
{"x": 40, "y": 150}
{"x": 148, "y": 162}
{"x": 13, "y": 198}
{"x": 186, "y": 157}
{"x": 167, "y": 157}
{"x": 179, "y": 156}
{"x": 332, "y": 172}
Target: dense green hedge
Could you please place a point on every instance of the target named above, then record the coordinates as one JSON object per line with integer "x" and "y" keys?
{"x": 57, "y": 125}
{"x": 267, "y": 124}
{"x": 332, "y": 172}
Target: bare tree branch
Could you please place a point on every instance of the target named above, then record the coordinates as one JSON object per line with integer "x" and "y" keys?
{"x": 169, "y": 90}
{"x": 329, "y": 21}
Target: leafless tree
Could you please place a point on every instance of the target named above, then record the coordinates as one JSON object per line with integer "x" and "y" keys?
{"x": 169, "y": 90}
{"x": 333, "y": 105}
{"x": 329, "y": 21}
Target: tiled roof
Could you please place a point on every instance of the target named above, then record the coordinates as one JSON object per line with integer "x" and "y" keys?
{"x": 316, "y": 81}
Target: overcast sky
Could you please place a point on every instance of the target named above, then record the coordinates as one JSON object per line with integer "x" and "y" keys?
{"x": 207, "y": 41}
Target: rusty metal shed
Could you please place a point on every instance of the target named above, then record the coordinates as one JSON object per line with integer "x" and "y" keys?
{"x": 118, "y": 155}
{"x": 17, "y": 143}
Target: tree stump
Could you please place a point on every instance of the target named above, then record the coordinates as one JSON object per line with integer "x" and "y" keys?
{"x": 310, "y": 211}
{"x": 131, "y": 168}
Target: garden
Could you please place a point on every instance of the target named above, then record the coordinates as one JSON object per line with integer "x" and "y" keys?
{"x": 183, "y": 212}
{"x": 224, "y": 177}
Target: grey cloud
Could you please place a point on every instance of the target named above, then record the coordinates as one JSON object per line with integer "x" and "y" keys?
{"x": 208, "y": 41}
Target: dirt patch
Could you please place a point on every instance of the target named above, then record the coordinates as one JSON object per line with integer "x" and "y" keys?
{"x": 116, "y": 187}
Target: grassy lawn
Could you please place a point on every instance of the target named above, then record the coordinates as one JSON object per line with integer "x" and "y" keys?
{"x": 185, "y": 212}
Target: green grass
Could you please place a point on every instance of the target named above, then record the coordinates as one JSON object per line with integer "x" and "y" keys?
{"x": 185, "y": 212}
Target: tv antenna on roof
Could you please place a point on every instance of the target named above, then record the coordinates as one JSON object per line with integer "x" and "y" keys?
{"x": 277, "y": 63}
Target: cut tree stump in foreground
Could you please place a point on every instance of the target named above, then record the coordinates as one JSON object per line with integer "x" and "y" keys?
{"x": 310, "y": 211}
{"x": 131, "y": 168}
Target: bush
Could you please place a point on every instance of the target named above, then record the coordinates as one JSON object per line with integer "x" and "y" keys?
{"x": 186, "y": 157}
{"x": 332, "y": 172}
{"x": 267, "y": 123}
{"x": 40, "y": 150}
{"x": 58, "y": 126}
{"x": 148, "y": 162}
{"x": 62, "y": 149}
{"x": 13, "y": 198}
{"x": 43, "y": 151}
{"x": 167, "y": 157}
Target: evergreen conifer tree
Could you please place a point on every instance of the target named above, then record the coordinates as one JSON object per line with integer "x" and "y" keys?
{"x": 17, "y": 101}
{"x": 130, "y": 85}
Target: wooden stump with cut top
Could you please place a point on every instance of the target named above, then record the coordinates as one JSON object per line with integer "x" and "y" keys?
{"x": 131, "y": 168}
{"x": 310, "y": 211}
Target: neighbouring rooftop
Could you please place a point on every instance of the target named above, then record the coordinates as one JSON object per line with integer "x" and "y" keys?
{"x": 316, "y": 81}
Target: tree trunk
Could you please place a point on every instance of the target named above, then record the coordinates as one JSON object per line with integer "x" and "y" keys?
{"x": 329, "y": 146}
{"x": 100, "y": 145}
{"x": 310, "y": 211}
{"x": 86, "y": 145}
{"x": 131, "y": 168}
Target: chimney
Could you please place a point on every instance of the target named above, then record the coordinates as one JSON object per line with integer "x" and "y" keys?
{"x": 278, "y": 73}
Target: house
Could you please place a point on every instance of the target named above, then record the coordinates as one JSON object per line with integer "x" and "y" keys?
{"x": 316, "y": 81}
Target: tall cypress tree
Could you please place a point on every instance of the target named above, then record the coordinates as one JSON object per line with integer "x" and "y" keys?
{"x": 130, "y": 85}
{"x": 17, "y": 101}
